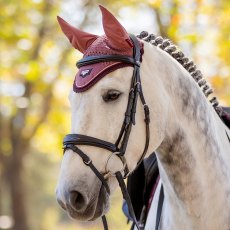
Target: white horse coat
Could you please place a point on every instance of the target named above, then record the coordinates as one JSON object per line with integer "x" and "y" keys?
{"x": 193, "y": 150}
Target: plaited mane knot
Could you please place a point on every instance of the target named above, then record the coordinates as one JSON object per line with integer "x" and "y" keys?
{"x": 168, "y": 46}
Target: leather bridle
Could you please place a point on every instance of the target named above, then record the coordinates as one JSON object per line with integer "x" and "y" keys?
{"x": 71, "y": 141}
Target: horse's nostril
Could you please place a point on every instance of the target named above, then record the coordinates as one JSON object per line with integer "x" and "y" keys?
{"x": 77, "y": 201}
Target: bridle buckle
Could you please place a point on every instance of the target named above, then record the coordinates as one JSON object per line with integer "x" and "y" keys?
{"x": 89, "y": 161}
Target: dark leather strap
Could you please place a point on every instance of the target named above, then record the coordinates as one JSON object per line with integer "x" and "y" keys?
{"x": 227, "y": 136}
{"x": 105, "y": 58}
{"x": 129, "y": 120}
{"x": 127, "y": 198}
{"x": 104, "y": 221}
{"x": 89, "y": 163}
{"x": 136, "y": 48}
{"x": 79, "y": 139}
{"x": 159, "y": 208}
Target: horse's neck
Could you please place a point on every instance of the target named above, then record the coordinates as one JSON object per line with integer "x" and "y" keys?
{"x": 193, "y": 160}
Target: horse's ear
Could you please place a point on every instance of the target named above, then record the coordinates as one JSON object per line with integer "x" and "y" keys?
{"x": 114, "y": 31}
{"x": 80, "y": 40}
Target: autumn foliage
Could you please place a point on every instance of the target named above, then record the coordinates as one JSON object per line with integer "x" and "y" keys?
{"x": 37, "y": 69}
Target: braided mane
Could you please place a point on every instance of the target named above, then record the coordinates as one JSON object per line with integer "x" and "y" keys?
{"x": 168, "y": 46}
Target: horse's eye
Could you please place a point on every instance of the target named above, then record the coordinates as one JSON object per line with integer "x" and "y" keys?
{"x": 111, "y": 95}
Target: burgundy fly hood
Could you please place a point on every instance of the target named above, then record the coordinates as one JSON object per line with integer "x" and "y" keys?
{"x": 116, "y": 41}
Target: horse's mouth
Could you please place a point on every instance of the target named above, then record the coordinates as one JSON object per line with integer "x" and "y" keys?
{"x": 98, "y": 206}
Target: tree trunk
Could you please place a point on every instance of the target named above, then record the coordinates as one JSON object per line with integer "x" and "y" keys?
{"x": 0, "y": 192}
{"x": 17, "y": 191}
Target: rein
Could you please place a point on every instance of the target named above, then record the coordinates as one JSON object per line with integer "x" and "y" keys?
{"x": 71, "y": 141}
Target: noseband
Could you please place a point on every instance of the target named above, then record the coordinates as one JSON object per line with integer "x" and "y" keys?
{"x": 71, "y": 141}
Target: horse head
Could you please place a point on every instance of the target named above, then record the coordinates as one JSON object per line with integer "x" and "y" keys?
{"x": 99, "y": 101}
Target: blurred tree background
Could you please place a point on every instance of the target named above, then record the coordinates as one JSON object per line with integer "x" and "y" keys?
{"x": 37, "y": 69}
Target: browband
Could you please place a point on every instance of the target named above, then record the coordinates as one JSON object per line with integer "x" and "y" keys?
{"x": 106, "y": 58}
